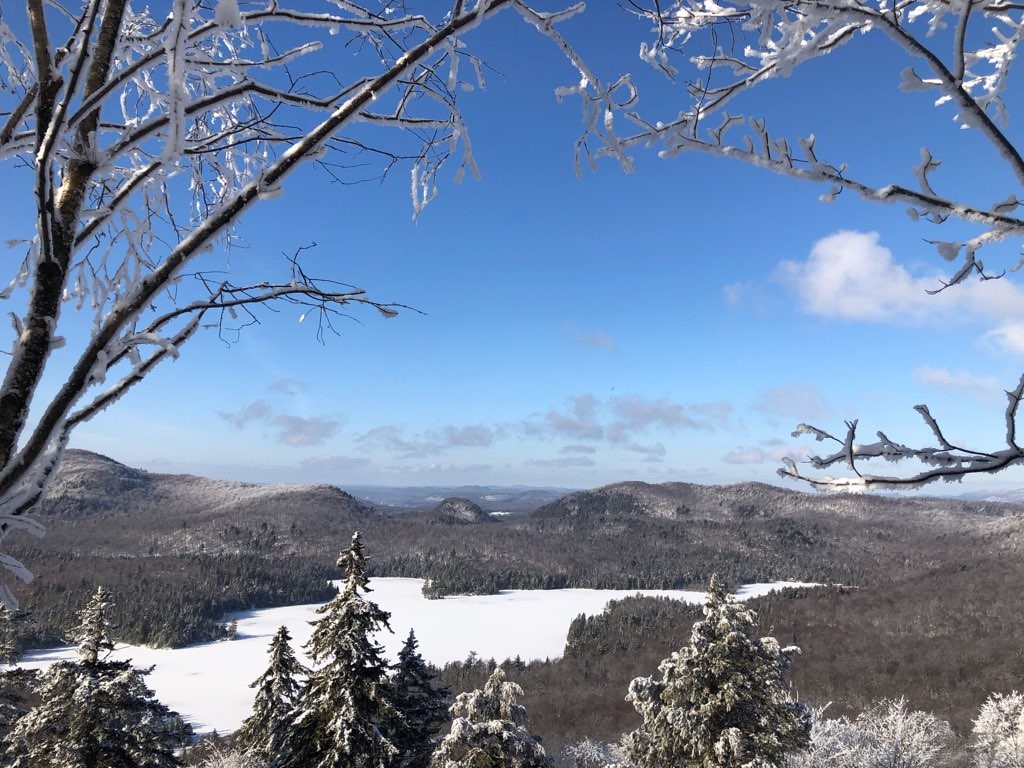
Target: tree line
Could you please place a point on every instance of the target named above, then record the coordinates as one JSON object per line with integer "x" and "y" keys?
{"x": 723, "y": 700}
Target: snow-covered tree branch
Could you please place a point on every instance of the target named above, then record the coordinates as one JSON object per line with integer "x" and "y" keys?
{"x": 958, "y": 53}
{"x": 148, "y": 133}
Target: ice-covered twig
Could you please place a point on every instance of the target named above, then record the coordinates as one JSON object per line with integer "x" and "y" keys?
{"x": 946, "y": 461}
{"x": 968, "y": 68}
{"x": 148, "y": 137}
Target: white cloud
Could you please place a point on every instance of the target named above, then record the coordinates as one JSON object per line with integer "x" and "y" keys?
{"x": 635, "y": 413}
{"x": 421, "y": 445}
{"x": 590, "y": 338}
{"x": 851, "y": 276}
{"x": 444, "y": 467}
{"x": 620, "y": 418}
{"x": 334, "y": 464}
{"x": 392, "y": 438}
{"x": 476, "y": 435}
{"x": 798, "y": 401}
{"x": 578, "y": 449}
{"x": 744, "y": 456}
{"x": 299, "y": 431}
{"x": 1007, "y": 338}
{"x": 736, "y": 293}
{"x": 568, "y": 461}
{"x": 289, "y": 386}
{"x": 254, "y": 411}
{"x": 581, "y": 422}
{"x": 652, "y": 452}
{"x": 757, "y": 455}
{"x": 987, "y": 388}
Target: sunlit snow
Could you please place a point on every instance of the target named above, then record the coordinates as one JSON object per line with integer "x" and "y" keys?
{"x": 209, "y": 684}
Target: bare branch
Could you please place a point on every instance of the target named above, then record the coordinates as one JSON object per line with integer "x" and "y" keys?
{"x": 947, "y": 461}
{"x": 149, "y": 137}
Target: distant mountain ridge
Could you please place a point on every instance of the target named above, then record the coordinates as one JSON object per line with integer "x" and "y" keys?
{"x": 183, "y": 513}
{"x": 754, "y": 500}
{"x": 493, "y": 498}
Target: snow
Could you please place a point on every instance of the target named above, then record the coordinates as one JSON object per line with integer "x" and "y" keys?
{"x": 209, "y": 684}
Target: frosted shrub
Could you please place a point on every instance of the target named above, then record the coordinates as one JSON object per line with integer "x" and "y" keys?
{"x": 225, "y": 758}
{"x": 594, "y": 754}
{"x": 885, "y": 736}
{"x": 999, "y": 732}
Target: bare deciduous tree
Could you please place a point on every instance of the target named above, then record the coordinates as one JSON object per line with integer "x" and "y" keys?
{"x": 960, "y": 53}
{"x": 145, "y": 134}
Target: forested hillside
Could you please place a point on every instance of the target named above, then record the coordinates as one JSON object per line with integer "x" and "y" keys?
{"x": 199, "y": 548}
{"x": 930, "y": 592}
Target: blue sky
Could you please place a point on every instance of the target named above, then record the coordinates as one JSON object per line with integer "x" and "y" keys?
{"x": 673, "y": 324}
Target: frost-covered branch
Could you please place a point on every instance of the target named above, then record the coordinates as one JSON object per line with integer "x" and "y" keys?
{"x": 721, "y": 51}
{"x": 945, "y": 461}
{"x": 151, "y": 132}
{"x": 959, "y": 53}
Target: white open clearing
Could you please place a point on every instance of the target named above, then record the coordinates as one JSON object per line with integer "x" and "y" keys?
{"x": 209, "y": 684}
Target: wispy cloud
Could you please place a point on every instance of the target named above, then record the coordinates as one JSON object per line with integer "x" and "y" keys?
{"x": 334, "y": 464}
{"x": 1008, "y": 337}
{"x": 635, "y": 413}
{"x": 760, "y": 455}
{"x": 298, "y": 431}
{"x": 576, "y": 448}
{"x": 798, "y": 401}
{"x": 620, "y": 419}
{"x": 589, "y": 338}
{"x": 254, "y": 411}
{"x": 476, "y": 435}
{"x": 985, "y": 388}
{"x": 289, "y": 386}
{"x": 568, "y": 461}
{"x": 437, "y": 468}
{"x": 392, "y": 438}
{"x": 736, "y": 293}
{"x": 581, "y": 420}
{"x": 744, "y": 456}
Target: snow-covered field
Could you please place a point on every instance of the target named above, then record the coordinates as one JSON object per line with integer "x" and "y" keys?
{"x": 209, "y": 684}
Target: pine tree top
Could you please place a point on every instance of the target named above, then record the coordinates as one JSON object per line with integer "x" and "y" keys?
{"x": 353, "y": 564}
{"x": 92, "y": 632}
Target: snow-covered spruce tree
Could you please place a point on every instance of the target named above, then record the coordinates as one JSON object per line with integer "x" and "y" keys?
{"x": 998, "y": 732}
{"x": 9, "y": 653}
{"x": 277, "y": 692}
{"x": 422, "y": 706}
{"x": 489, "y": 730}
{"x": 346, "y": 701}
{"x": 95, "y": 713}
{"x": 722, "y": 701}
{"x": 149, "y": 130}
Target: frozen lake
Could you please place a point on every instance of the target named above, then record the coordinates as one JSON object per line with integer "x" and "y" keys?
{"x": 209, "y": 684}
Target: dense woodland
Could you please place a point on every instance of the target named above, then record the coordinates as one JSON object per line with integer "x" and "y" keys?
{"x": 932, "y": 588}
{"x": 170, "y": 601}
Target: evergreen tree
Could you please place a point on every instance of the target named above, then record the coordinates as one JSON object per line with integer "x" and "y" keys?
{"x": 423, "y": 707}
{"x": 489, "y": 731}
{"x": 92, "y": 633}
{"x": 722, "y": 701}
{"x": 95, "y": 713}
{"x": 346, "y": 700}
{"x": 277, "y": 692}
{"x": 9, "y": 653}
